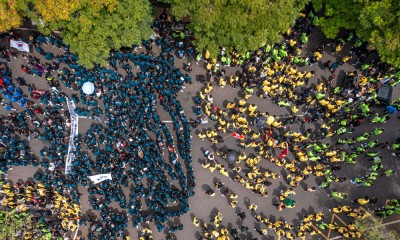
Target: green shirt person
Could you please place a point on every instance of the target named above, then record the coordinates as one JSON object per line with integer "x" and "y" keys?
{"x": 314, "y": 158}
{"x": 363, "y": 137}
{"x": 389, "y": 212}
{"x": 198, "y": 57}
{"x": 319, "y": 95}
{"x": 358, "y": 43}
{"x": 268, "y": 48}
{"x": 378, "y": 131}
{"x": 317, "y": 148}
{"x": 377, "y": 159}
{"x": 297, "y": 59}
{"x": 341, "y": 130}
{"x": 375, "y": 167}
{"x": 324, "y": 185}
{"x": 283, "y": 53}
{"x": 389, "y": 172}
{"x": 283, "y": 103}
{"x": 223, "y": 59}
{"x": 396, "y": 146}
{"x": 373, "y": 176}
{"x": 360, "y": 149}
{"x": 364, "y": 107}
{"x": 350, "y": 160}
{"x": 384, "y": 119}
{"x": 367, "y": 183}
{"x": 304, "y": 38}
{"x": 365, "y": 66}
{"x": 228, "y": 61}
{"x": 372, "y": 154}
{"x": 323, "y": 226}
{"x": 350, "y": 141}
{"x": 337, "y": 90}
{"x": 357, "y": 180}
{"x": 372, "y": 144}
{"x": 274, "y": 52}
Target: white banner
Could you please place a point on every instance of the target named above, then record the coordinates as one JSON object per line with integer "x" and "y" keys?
{"x": 74, "y": 132}
{"x": 20, "y": 45}
{"x": 100, "y": 178}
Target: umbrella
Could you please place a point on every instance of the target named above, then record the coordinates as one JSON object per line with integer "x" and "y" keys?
{"x": 289, "y": 202}
{"x": 231, "y": 157}
{"x": 391, "y": 109}
{"x": 260, "y": 122}
{"x": 49, "y": 56}
{"x": 88, "y": 88}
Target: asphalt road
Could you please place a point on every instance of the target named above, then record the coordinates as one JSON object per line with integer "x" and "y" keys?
{"x": 203, "y": 205}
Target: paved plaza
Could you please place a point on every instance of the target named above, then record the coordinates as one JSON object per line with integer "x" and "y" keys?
{"x": 203, "y": 206}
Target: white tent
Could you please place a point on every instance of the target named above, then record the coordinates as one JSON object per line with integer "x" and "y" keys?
{"x": 88, "y": 88}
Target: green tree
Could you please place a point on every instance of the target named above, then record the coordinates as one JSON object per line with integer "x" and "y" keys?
{"x": 372, "y": 230}
{"x": 91, "y": 27}
{"x": 11, "y": 13}
{"x": 10, "y": 223}
{"x": 237, "y": 24}
{"x": 54, "y": 15}
{"x": 93, "y": 34}
{"x": 374, "y": 21}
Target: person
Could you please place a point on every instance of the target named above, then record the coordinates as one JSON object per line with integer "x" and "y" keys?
{"x": 130, "y": 113}
{"x": 242, "y": 215}
{"x": 253, "y": 207}
{"x": 211, "y": 157}
{"x": 281, "y": 206}
{"x": 196, "y": 221}
{"x": 362, "y": 201}
{"x": 204, "y": 120}
{"x": 210, "y": 192}
{"x": 311, "y": 189}
{"x": 210, "y": 98}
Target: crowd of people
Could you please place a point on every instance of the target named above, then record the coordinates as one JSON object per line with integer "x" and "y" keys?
{"x": 122, "y": 142}
{"x": 279, "y": 73}
{"x": 157, "y": 170}
{"x": 54, "y": 213}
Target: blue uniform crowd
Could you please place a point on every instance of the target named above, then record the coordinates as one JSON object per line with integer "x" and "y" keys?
{"x": 121, "y": 139}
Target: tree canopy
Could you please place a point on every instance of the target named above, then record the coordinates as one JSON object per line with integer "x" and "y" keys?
{"x": 92, "y": 35}
{"x": 371, "y": 229}
{"x": 376, "y": 21}
{"x": 235, "y": 24}
{"x": 91, "y": 27}
{"x": 11, "y": 14}
{"x": 11, "y": 222}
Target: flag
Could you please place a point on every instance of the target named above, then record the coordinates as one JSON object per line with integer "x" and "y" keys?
{"x": 171, "y": 149}
{"x": 100, "y": 178}
{"x": 284, "y": 152}
{"x": 20, "y": 45}
{"x": 238, "y": 136}
{"x": 267, "y": 135}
